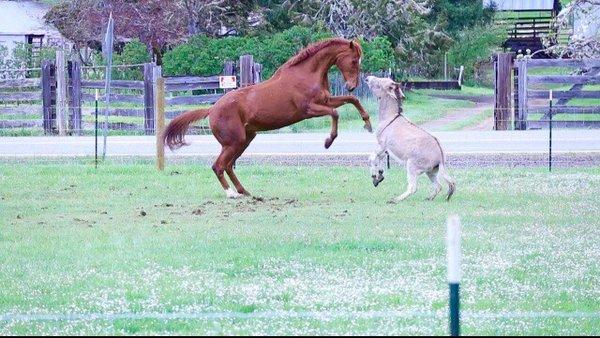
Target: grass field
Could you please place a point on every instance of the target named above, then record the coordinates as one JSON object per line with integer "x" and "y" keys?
{"x": 128, "y": 240}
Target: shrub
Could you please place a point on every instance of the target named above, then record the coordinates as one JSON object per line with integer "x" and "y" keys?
{"x": 133, "y": 52}
{"x": 205, "y": 56}
{"x": 378, "y": 54}
{"x": 473, "y": 47}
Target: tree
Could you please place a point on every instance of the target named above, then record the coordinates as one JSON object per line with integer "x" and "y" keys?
{"x": 586, "y": 45}
{"x": 457, "y": 15}
{"x": 209, "y": 17}
{"x": 155, "y": 23}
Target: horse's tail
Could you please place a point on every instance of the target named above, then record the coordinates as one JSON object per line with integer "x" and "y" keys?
{"x": 174, "y": 135}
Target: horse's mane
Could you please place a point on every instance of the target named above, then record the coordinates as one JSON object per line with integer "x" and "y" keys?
{"x": 313, "y": 49}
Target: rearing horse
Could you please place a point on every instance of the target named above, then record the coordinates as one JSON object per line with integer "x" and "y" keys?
{"x": 298, "y": 90}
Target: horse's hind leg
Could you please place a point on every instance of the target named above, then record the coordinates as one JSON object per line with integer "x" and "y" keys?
{"x": 230, "y": 132}
{"x": 229, "y": 169}
{"x": 435, "y": 183}
{"x": 219, "y": 167}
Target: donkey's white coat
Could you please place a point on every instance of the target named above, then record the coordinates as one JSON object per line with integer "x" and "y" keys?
{"x": 406, "y": 142}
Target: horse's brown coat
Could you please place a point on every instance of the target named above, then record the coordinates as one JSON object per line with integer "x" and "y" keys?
{"x": 298, "y": 90}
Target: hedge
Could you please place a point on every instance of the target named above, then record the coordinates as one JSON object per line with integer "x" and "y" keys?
{"x": 205, "y": 56}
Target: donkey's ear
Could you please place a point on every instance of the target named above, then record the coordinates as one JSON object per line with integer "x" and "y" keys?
{"x": 398, "y": 90}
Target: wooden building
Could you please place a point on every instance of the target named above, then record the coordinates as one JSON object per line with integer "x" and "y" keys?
{"x": 527, "y": 22}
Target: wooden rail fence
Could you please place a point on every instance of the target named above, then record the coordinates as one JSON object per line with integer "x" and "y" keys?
{"x": 530, "y": 92}
{"x": 132, "y": 98}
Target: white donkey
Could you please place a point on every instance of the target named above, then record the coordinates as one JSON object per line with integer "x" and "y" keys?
{"x": 402, "y": 139}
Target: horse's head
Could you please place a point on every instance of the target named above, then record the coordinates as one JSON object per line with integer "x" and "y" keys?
{"x": 348, "y": 62}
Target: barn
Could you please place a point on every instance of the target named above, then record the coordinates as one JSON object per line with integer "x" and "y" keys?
{"x": 527, "y": 22}
{"x": 23, "y": 22}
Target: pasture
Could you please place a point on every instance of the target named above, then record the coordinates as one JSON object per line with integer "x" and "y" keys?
{"x": 319, "y": 250}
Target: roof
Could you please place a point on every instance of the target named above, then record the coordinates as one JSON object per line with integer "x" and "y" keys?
{"x": 24, "y": 17}
{"x": 521, "y": 5}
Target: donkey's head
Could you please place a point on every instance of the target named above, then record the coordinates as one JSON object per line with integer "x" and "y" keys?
{"x": 384, "y": 87}
{"x": 377, "y": 169}
{"x": 348, "y": 62}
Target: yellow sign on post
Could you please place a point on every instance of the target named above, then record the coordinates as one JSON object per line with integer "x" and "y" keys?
{"x": 227, "y": 82}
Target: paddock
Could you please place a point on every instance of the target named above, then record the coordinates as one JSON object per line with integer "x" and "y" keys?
{"x": 317, "y": 250}
{"x": 125, "y": 248}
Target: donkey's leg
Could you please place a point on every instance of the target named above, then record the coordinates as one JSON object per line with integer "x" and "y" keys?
{"x": 336, "y": 101}
{"x": 376, "y": 163}
{"x": 318, "y": 110}
{"x": 238, "y": 186}
{"x": 435, "y": 183}
{"x": 412, "y": 174}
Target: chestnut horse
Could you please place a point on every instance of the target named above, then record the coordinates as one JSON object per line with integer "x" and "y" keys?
{"x": 298, "y": 90}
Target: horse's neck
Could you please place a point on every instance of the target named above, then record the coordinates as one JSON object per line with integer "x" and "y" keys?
{"x": 388, "y": 108}
{"x": 320, "y": 63}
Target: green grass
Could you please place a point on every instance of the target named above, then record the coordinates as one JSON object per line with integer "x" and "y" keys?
{"x": 465, "y": 91}
{"x": 418, "y": 107}
{"x": 567, "y": 117}
{"x": 74, "y": 240}
{"x": 469, "y": 122}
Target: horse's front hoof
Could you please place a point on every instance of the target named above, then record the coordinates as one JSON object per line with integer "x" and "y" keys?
{"x": 328, "y": 142}
{"x": 368, "y": 127}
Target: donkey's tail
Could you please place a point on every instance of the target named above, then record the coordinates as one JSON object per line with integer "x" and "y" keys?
{"x": 444, "y": 173}
{"x": 174, "y": 135}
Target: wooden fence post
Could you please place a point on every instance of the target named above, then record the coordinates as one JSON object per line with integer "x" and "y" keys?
{"x": 61, "y": 93}
{"x": 257, "y": 73}
{"x": 74, "y": 95}
{"x": 246, "y": 70}
{"x": 149, "y": 98}
{"x": 159, "y": 109}
{"x": 48, "y": 95}
{"x": 229, "y": 68}
{"x": 522, "y": 111}
{"x": 502, "y": 90}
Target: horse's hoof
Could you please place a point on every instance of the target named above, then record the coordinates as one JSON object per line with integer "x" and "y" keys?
{"x": 233, "y": 194}
{"x": 328, "y": 143}
{"x": 368, "y": 127}
{"x": 245, "y": 193}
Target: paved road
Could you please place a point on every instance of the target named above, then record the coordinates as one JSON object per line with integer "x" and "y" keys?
{"x": 348, "y": 143}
